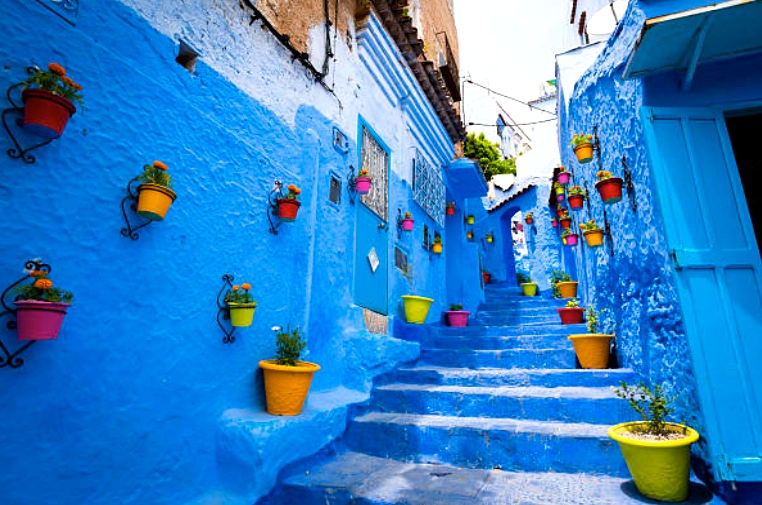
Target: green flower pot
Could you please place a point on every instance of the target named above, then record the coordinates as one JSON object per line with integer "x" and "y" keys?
{"x": 241, "y": 314}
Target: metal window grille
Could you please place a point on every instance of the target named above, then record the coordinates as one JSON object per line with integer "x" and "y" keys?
{"x": 334, "y": 194}
{"x": 375, "y": 160}
{"x": 400, "y": 259}
{"x": 428, "y": 188}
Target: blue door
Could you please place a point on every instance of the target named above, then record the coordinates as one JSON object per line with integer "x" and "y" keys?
{"x": 372, "y": 234}
{"x": 719, "y": 278}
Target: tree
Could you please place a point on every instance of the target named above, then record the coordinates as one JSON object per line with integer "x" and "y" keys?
{"x": 488, "y": 155}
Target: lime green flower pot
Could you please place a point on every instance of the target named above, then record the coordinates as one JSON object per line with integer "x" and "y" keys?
{"x": 241, "y": 314}
{"x": 416, "y": 308}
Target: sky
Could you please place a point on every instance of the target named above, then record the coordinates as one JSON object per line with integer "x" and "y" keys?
{"x": 510, "y": 47}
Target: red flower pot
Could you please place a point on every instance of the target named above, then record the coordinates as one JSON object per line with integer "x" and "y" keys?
{"x": 38, "y": 320}
{"x": 45, "y": 114}
{"x": 486, "y": 277}
{"x": 563, "y": 178}
{"x": 571, "y": 315}
{"x": 287, "y": 209}
{"x": 610, "y": 189}
{"x": 450, "y": 211}
{"x": 576, "y": 201}
{"x": 560, "y": 212}
{"x": 457, "y": 318}
{"x": 362, "y": 185}
{"x": 566, "y": 223}
{"x": 529, "y": 220}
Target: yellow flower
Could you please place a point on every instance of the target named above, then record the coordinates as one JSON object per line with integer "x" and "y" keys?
{"x": 57, "y": 69}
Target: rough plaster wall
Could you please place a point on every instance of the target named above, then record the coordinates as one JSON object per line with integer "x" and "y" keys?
{"x": 635, "y": 285}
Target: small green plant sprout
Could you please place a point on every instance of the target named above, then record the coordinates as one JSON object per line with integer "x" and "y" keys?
{"x": 596, "y": 319}
{"x": 572, "y": 303}
{"x": 566, "y": 233}
{"x": 239, "y": 294}
{"x": 451, "y": 204}
{"x": 523, "y": 278}
{"x": 557, "y": 276}
{"x": 564, "y": 215}
{"x": 577, "y": 190}
{"x": 590, "y": 225}
{"x": 580, "y": 138}
{"x": 157, "y": 174}
{"x": 651, "y": 404}
{"x": 456, "y": 306}
{"x": 289, "y": 346}
{"x": 437, "y": 239}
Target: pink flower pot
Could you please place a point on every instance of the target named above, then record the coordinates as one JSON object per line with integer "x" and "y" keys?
{"x": 457, "y": 318}
{"x": 572, "y": 239}
{"x": 37, "y": 320}
{"x": 563, "y": 178}
{"x": 362, "y": 185}
{"x": 407, "y": 224}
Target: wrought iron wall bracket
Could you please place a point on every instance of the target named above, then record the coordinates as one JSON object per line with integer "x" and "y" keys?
{"x": 628, "y": 184}
{"x": 351, "y": 184}
{"x": 607, "y": 232}
{"x": 597, "y": 147}
{"x": 223, "y": 311}
{"x": 13, "y": 116}
{"x": 131, "y": 200}
{"x": 272, "y": 206}
{"x": 399, "y": 223}
{"x": 8, "y": 358}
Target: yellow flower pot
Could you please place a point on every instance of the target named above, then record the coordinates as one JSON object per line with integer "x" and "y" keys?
{"x": 470, "y": 220}
{"x": 529, "y": 288}
{"x": 584, "y": 152}
{"x": 592, "y": 349}
{"x": 660, "y": 468}
{"x": 286, "y": 387}
{"x": 242, "y": 314}
{"x": 154, "y": 201}
{"x": 416, "y": 308}
{"x": 436, "y": 248}
{"x": 594, "y": 238}
{"x": 567, "y": 289}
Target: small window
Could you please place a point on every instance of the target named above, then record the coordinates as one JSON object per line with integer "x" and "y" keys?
{"x": 187, "y": 56}
{"x": 400, "y": 259}
{"x": 334, "y": 195}
{"x": 426, "y": 244}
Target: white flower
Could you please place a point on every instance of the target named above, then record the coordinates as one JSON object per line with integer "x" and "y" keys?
{"x": 276, "y": 328}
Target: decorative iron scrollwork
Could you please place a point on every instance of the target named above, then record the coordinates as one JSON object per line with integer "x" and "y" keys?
{"x": 132, "y": 200}
{"x": 607, "y": 232}
{"x": 13, "y": 116}
{"x": 223, "y": 311}
{"x": 272, "y": 206}
{"x": 628, "y": 184}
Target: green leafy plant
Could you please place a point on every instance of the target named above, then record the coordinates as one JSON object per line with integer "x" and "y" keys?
{"x": 488, "y": 155}
{"x": 595, "y": 318}
{"x": 408, "y": 215}
{"x": 55, "y": 80}
{"x": 41, "y": 289}
{"x": 557, "y": 276}
{"x": 450, "y": 204}
{"x": 528, "y": 215}
{"x": 523, "y": 278}
{"x": 456, "y": 306}
{"x": 572, "y": 304}
{"x": 577, "y": 191}
{"x": 239, "y": 294}
{"x": 580, "y": 138}
{"x": 651, "y": 404}
{"x": 156, "y": 173}
{"x": 564, "y": 215}
{"x": 602, "y": 175}
{"x": 558, "y": 187}
{"x": 566, "y": 233}
{"x": 437, "y": 239}
{"x": 589, "y": 225}
{"x": 289, "y": 346}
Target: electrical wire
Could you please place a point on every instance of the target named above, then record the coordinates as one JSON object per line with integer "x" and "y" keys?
{"x": 516, "y": 124}
{"x": 509, "y": 97}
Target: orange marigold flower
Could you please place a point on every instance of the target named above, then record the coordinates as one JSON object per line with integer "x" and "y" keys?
{"x": 291, "y": 187}
{"x": 57, "y": 69}
{"x": 236, "y": 288}
{"x": 68, "y": 81}
{"x": 246, "y": 286}
{"x": 78, "y": 87}
{"x": 43, "y": 284}
{"x": 160, "y": 165}
{"x": 589, "y": 136}
{"x": 297, "y": 191}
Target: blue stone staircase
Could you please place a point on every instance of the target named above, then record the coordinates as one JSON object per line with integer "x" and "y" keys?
{"x": 493, "y": 413}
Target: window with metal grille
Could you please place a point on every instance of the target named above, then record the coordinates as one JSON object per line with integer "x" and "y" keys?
{"x": 426, "y": 237}
{"x": 400, "y": 259}
{"x": 334, "y": 193}
{"x": 375, "y": 160}
{"x": 428, "y": 188}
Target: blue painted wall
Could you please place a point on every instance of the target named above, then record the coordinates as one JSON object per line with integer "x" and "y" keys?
{"x": 636, "y": 285}
{"x": 139, "y": 401}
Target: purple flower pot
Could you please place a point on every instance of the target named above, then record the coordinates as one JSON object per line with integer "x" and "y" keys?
{"x": 457, "y": 318}
{"x": 362, "y": 185}
{"x": 37, "y": 320}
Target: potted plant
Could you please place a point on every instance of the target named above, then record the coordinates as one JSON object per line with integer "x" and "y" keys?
{"x": 561, "y": 210}
{"x": 470, "y": 219}
{"x": 155, "y": 194}
{"x": 572, "y": 313}
{"x": 40, "y": 307}
{"x": 436, "y": 247}
{"x": 592, "y": 233}
{"x": 287, "y": 379}
{"x": 576, "y": 197}
{"x": 241, "y": 305}
{"x": 288, "y": 206}
{"x": 456, "y": 316}
{"x": 48, "y": 97}
{"x": 565, "y": 220}
{"x": 563, "y": 176}
{"x": 469, "y": 235}
{"x": 488, "y": 237}
{"x": 562, "y": 285}
{"x": 657, "y": 452}
{"x": 416, "y": 307}
{"x": 609, "y": 187}
{"x": 362, "y": 182}
{"x": 569, "y": 238}
{"x": 529, "y": 217}
{"x": 450, "y": 208}
{"x": 592, "y": 349}
{"x": 583, "y": 147}
{"x": 528, "y": 288}
{"x": 554, "y": 222}
{"x": 486, "y": 276}
{"x": 559, "y": 190}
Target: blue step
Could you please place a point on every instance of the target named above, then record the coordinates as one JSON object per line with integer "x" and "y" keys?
{"x": 479, "y": 442}
{"x": 436, "y": 340}
{"x": 352, "y": 478}
{"x": 424, "y": 374}
{"x": 568, "y": 403}
{"x": 510, "y": 330}
{"x": 535, "y": 358}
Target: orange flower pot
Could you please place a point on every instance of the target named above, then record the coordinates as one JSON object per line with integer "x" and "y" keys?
{"x": 154, "y": 201}
{"x": 592, "y": 349}
{"x": 286, "y": 387}
{"x": 584, "y": 152}
{"x": 436, "y": 248}
{"x": 567, "y": 289}
{"x": 594, "y": 238}
{"x": 287, "y": 209}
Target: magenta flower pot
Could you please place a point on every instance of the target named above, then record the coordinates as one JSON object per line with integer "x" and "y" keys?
{"x": 458, "y": 318}
{"x": 36, "y": 320}
{"x": 362, "y": 185}
{"x": 560, "y": 196}
{"x": 572, "y": 239}
{"x": 563, "y": 178}
{"x": 407, "y": 224}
